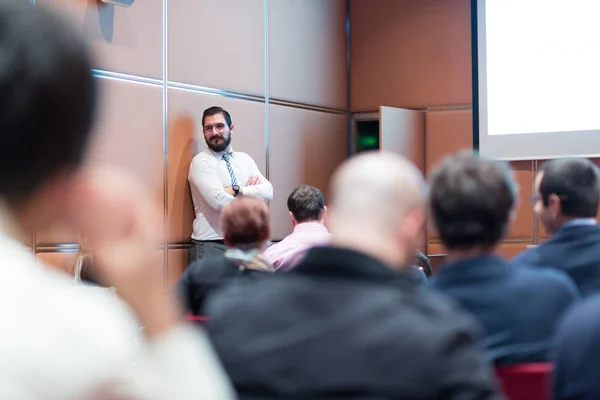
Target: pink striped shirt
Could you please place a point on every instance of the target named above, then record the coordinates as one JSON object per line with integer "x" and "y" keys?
{"x": 290, "y": 251}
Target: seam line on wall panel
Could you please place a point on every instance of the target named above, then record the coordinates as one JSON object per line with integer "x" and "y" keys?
{"x": 70, "y": 248}
{"x": 178, "y": 246}
{"x": 305, "y": 106}
{"x": 165, "y": 104}
{"x": 349, "y": 122}
{"x": 57, "y": 248}
{"x": 450, "y": 107}
{"x": 100, "y": 73}
{"x": 534, "y": 169}
{"x": 267, "y": 100}
{"x": 217, "y": 92}
{"x": 475, "y": 73}
{"x": 425, "y": 171}
{"x": 447, "y": 107}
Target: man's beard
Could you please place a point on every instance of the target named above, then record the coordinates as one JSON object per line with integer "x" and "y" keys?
{"x": 218, "y": 147}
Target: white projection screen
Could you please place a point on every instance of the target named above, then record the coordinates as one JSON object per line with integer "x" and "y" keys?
{"x": 537, "y": 81}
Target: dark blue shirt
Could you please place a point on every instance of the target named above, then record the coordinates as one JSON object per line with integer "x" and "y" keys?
{"x": 575, "y": 250}
{"x": 517, "y": 307}
{"x": 577, "y": 353}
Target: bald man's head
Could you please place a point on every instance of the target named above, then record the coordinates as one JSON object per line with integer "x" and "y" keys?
{"x": 378, "y": 196}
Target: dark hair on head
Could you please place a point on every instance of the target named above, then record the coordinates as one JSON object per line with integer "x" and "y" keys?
{"x": 576, "y": 183}
{"x": 471, "y": 200}
{"x": 214, "y": 110}
{"x": 306, "y": 203}
{"x": 245, "y": 222}
{"x": 47, "y": 97}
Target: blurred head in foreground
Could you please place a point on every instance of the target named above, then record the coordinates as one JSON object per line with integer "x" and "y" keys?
{"x": 378, "y": 207}
{"x": 472, "y": 201}
{"x": 46, "y": 110}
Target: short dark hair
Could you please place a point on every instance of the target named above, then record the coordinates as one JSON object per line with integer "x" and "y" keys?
{"x": 576, "y": 183}
{"x": 214, "y": 110}
{"x": 47, "y": 97}
{"x": 306, "y": 203}
{"x": 471, "y": 200}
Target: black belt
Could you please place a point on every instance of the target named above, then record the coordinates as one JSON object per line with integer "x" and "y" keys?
{"x": 217, "y": 241}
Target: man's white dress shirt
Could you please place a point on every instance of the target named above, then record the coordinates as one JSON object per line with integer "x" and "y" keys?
{"x": 64, "y": 341}
{"x": 208, "y": 176}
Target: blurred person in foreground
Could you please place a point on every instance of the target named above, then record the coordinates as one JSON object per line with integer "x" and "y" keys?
{"x": 347, "y": 321}
{"x": 576, "y": 352}
{"x": 57, "y": 340}
{"x": 472, "y": 201}
{"x": 566, "y": 199}
{"x": 245, "y": 223}
{"x": 308, "y": 213}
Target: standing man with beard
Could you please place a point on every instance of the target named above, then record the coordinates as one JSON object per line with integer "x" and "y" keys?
{"x": 216, "y": 177}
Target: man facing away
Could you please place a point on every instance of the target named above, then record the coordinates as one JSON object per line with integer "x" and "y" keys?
{"x": 307, "y": 212}
{"x": 216, "y": 177}
{"x": 472, "y": 200}
{"x": 566, "y": 200}
{"x": 57, "y": 339}
{"x": 347, "y": 321}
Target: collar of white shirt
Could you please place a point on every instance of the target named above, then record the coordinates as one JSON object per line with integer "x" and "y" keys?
{"x": 219, "y": 154}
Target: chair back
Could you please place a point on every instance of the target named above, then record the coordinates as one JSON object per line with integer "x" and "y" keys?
{"x": 526, "y": 381}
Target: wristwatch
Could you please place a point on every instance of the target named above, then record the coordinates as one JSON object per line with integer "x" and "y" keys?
{"x": 236, "y": 190}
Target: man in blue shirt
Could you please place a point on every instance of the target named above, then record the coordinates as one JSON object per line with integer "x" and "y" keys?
{"x": 472, "y": 200}
{"x": 566, "y": 201}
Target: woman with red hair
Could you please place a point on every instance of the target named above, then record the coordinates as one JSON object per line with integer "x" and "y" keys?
{"x": 245, "y": 224}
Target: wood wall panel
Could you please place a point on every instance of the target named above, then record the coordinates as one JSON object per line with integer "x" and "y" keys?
{"x": 59, "y": 233}
{"x": 62, "y": 261}
{"x": 436, "y": 248}
{"x": 446, "y": 132}
{"x": 128, "y": 134}
{"x": 177, "y": 261}
{"x": 65, "y": 260}
{"x": 407, "y": 53}
{"x": 509, "y": 250}
{"x": 217, "y": 44}
{"x": 522, "y": 224}
{"x": 126, "y": 40}
{"x": 305, "y": 148}
{"x": 307, "y": 51}
{"x": 182, "y": 147}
